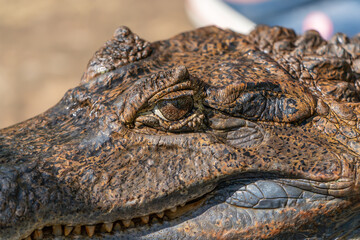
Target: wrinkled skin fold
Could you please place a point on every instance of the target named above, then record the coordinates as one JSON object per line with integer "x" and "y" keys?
{"x": 207, "y": 135}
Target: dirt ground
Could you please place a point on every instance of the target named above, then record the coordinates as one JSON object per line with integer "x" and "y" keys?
{"x": 45, "y": 45}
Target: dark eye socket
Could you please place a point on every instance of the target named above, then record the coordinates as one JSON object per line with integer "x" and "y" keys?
{"x": 174, "y": 109}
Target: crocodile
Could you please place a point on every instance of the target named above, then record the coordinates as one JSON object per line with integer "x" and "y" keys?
{"x": 210, "y": 134}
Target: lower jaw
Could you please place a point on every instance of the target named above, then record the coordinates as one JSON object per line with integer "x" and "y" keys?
{"x": 282, "y": 223}
{"x": 150, "y": 224}
{"x": 111, "y": 228}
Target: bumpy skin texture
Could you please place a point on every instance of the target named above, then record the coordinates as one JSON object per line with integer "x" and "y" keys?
{"x": 258, "y": 134}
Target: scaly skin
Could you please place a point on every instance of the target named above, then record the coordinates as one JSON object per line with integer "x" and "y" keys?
{"x": 257, "y": 135}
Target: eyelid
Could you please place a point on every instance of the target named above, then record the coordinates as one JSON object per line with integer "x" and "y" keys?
{"x": 195, "y": 119}
{"x": 177, "y": 94}
{"x": 184, "y": 86}
{"x": 152, "y": 106}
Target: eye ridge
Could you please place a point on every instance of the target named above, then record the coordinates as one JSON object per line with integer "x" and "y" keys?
{"x": 174, "y": 109}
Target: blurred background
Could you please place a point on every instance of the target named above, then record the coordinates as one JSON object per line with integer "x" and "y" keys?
{"x": 45, "y": 45}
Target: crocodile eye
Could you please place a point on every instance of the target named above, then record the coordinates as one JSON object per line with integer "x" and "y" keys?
{"x": 174, "y": 109}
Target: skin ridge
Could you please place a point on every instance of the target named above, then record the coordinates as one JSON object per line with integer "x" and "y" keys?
{"x": 272, "y": 105}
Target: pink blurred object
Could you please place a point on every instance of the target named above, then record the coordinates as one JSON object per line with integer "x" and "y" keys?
{"x": 320, "y": 22}
{"x": 325, "y": 16}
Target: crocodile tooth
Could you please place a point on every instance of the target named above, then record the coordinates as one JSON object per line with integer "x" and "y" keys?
{"x": 183, "y": 210}
{"x": 90, "y": 230}
{"x": 117, "y": 227}
{"x": 108, "y": 226}
{"x": 145, "y": 219}
{"x": 77, "y": 230}
{"x": 67, "y": 230}
{"x": 127, "y": 223}
{"x": 57, "y": 230}
{"x": 154, "y": 220}
{"x": 160, "y": 214}
{"x": 182, "y": 205}
{"x": 173, "y": 209}
{"x": 38, "y": 234}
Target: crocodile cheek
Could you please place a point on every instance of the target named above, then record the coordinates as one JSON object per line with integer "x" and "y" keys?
{"x": 267, "y": 149}
{"x": 238, "y": 133}
{"x": 245, "y": 137}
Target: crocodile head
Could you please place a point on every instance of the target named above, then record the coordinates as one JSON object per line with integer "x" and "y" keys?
{"x": 208, "y": 135}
